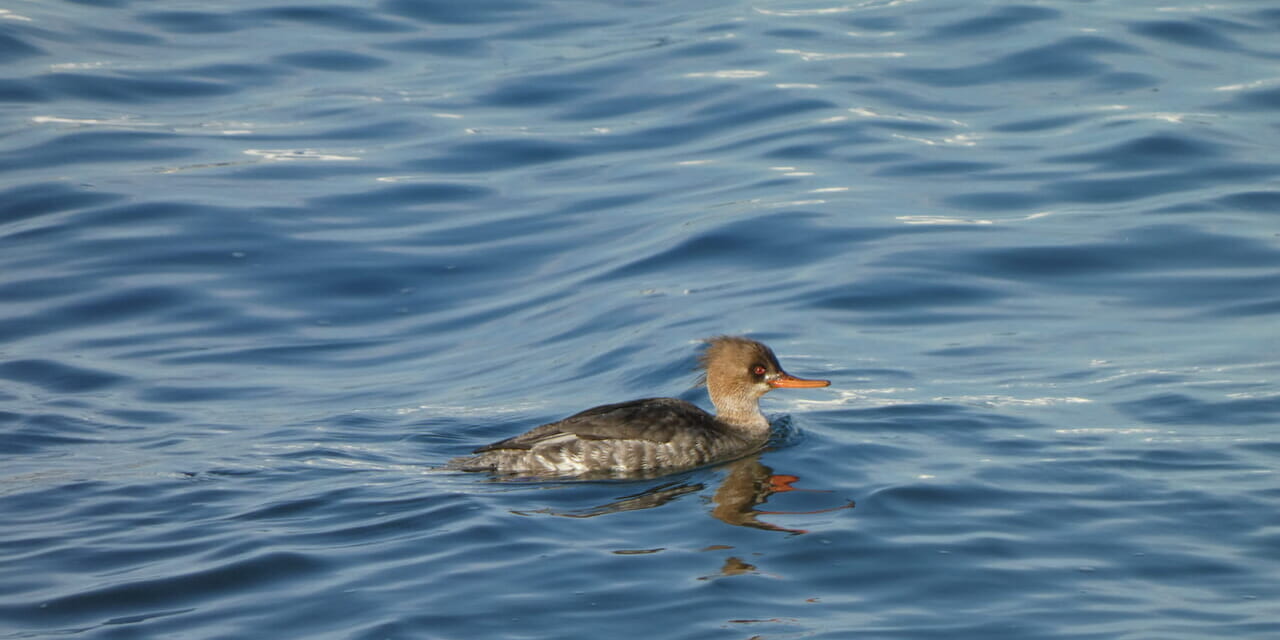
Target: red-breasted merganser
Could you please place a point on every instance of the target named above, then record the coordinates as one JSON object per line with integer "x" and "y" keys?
{"x": 654, "y": 434}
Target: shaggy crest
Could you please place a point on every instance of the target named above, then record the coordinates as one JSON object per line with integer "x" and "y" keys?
{"x": 720, "y": 345}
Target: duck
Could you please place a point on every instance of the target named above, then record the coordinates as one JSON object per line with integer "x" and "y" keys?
{"x": 654, "y": 436}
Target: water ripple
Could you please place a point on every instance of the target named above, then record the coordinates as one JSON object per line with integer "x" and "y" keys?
{"x": 1073, "y": 57}
{"x": 266, "y": 267}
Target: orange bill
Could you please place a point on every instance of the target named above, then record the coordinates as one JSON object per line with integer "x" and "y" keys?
{"x": 788, "y": 381}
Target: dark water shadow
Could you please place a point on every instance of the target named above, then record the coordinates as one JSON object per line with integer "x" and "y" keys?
{"x": 748, "y": 483}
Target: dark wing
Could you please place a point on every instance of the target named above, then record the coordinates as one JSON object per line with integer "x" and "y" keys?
{"x": 653, "y": 419}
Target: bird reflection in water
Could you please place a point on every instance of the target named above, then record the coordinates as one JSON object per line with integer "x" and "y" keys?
{"x": 748, "y": 484}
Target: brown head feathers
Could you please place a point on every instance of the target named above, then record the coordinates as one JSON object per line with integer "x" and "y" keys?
{"x": 734, "y": 350}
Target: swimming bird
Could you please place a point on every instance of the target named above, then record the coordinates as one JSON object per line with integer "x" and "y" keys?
{"x": 654, "y": 435}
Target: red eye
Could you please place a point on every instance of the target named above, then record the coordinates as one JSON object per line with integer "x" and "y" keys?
{"x": 759, "y": 370}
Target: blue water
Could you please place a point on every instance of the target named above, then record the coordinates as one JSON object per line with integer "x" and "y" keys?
{"x": 265, "y": 266}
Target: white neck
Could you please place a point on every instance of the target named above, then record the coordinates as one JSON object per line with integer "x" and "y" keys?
{"x": 741, "y": 410}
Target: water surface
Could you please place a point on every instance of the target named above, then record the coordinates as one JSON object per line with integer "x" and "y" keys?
{"x": 264, "y": 267}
